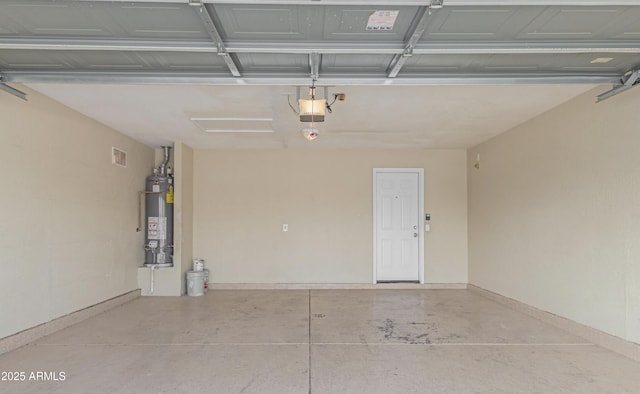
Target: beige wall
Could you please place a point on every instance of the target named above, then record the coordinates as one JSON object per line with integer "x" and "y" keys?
{"x": 67, "y": 232}
{"x": 554, "y": 213}
{"x": 242, "y": 198}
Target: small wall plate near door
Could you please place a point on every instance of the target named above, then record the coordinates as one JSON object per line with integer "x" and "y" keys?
{"x": 285, "y": 227}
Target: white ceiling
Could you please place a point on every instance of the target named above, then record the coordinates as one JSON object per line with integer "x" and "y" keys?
{"x": 383, "y": 117}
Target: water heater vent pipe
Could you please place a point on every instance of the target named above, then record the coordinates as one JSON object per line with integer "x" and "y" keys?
{"x": 163, "y": 166}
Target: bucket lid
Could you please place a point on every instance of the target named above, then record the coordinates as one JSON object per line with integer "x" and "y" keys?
{"x": 194, "y": 273}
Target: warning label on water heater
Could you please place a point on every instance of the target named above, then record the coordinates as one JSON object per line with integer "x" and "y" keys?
{"x": 170, "y": 195}
{"x": 157, "y": 227}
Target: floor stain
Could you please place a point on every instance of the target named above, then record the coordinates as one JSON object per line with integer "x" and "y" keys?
{"x": 388, "y": 328}
{"x": 390, "y": 331}
{"x": 449, "y": 338}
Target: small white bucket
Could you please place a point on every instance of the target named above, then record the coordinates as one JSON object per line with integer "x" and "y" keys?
{"x": 198, "y": 264}
{"x": 206, "y": 280}
{"x": 195, "y": 283}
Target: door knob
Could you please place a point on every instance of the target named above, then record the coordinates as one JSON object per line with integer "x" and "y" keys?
{"x": 415, "y": 235}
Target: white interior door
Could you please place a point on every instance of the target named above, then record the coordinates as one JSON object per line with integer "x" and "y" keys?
{"x": 397, "y": 222}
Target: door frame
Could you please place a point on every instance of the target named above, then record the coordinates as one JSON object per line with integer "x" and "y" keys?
{"x": 420, "y": 172}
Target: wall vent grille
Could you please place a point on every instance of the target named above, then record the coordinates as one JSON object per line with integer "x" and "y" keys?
{"x": 118, "y": 157}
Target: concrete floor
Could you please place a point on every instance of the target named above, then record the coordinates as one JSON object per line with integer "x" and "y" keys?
{"x": 320, "y": 341}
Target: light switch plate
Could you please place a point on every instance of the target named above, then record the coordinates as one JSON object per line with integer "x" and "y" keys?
{"x": 427, "y": 227}
{"x": 285, "y": 227}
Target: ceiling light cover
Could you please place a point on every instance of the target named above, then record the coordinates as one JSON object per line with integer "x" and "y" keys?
{"x": 312, "y": 110}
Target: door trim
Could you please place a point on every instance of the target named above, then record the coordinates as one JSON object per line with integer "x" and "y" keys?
{"x": 420, "y": 172}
